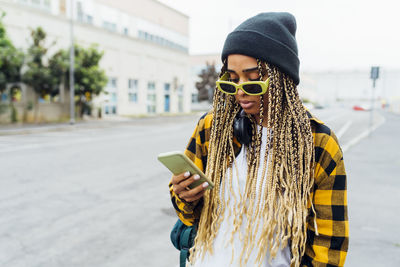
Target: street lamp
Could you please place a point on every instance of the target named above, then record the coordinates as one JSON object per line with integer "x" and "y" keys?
{"x": 71, "y": 67}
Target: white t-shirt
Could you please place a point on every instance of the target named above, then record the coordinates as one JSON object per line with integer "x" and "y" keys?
{"x": 222, "y": 248}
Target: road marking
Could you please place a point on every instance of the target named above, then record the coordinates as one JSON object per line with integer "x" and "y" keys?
{"x": 344, "y": 129}
{"x": 362, "y": 136}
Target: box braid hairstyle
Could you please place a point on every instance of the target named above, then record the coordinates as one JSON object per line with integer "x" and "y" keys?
{"x": 280, "y": 212}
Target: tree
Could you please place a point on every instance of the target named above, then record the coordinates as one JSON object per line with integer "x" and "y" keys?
{"x": 11, "y": 59}
{"x": 89, "y": 78}
{"x": 39, "y": 75}
{"x": 206, "y": 85}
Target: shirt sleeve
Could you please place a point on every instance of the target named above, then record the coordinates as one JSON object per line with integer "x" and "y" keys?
{"x": 196, "y": 150}
{"x": 328, "y": 247}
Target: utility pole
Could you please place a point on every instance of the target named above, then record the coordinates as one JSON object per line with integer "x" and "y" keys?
{"x": 71, "y": 67}
{"x": 374, "y": 77}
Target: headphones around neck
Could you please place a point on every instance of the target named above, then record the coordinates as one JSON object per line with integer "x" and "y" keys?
{"x": 242, "y": 128}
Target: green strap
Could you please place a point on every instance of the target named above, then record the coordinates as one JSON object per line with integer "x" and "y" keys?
{"x": 185, "y": 238}
{"x": 183, "y": 257}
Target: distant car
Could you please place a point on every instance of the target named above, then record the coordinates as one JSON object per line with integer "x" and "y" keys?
{"x": 356, "y": 107}
{"x": 361, "y": 107}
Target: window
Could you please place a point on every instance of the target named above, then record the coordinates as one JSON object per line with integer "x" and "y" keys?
{"x": 151, "y": 97}
{"x": 112, "y": 83}
{"x": 141, "y": 34}
{"x": 167, "y": 86}
{"x": 89, "y": 19}
{"x": 133, "y": 90}
{"x": 113, "y": 97}
{"x": 125, "y": 31}
{"x": 166, "y": 97}
{"x": 195, "y": 98}
{"x": 109, "y": 26}
{"x": 180, "y": 98}
{"x": 79, "y": 11}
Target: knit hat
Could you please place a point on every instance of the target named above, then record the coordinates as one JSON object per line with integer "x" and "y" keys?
{"x": 269, "y": 37}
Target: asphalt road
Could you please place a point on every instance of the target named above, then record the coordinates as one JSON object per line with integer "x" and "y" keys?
{"x": 95, "y": 195}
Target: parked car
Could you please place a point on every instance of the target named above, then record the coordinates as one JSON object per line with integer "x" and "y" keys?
{"x": 361, "y": 107}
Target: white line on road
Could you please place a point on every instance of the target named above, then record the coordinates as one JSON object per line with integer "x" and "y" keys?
{"x": 364, "y": 134}
{"x": 344, "y": 129}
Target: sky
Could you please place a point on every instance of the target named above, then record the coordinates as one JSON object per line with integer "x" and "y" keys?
{"x": 331, "y": 35}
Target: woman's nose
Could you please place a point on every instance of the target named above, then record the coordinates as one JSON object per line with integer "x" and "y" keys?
{"x": 240, "y": 92}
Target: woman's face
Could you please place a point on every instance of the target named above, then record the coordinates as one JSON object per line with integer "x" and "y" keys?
{"x": 242, "y": 69}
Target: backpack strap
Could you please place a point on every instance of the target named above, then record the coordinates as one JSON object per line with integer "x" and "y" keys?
{"x": 182, "y": 237}
{"x": 183, "y": 256}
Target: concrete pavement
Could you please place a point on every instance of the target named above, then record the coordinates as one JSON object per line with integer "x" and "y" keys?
{"x": 76, "y": 197}
{"x": 17, "y": 129}
{"x": 373, "y": 168}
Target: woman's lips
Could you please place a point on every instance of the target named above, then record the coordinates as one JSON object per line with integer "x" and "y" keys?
{"x": 246, "y": 104}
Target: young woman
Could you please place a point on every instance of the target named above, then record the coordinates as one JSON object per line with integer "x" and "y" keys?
{"x": 280, "y": 184}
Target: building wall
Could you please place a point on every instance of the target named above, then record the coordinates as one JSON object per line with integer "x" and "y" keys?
{"x": 154, "y": 12}
{"x": 127, "y": 55}
{"x": 328, "y": 87}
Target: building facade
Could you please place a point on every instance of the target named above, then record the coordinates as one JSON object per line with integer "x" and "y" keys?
{"x": 145, "y": 46}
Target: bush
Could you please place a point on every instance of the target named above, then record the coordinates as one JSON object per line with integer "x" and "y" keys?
{"x": 14, "y": 114}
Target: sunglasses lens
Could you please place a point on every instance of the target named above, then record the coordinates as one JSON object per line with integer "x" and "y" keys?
{"x": 252, "y": 88}
{"x": 228, "y": 88}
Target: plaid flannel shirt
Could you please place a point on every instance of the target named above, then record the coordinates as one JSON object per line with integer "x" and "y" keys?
{"x": 329, "y": 196}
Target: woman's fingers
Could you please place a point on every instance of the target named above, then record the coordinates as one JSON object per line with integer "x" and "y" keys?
{"x": 182, "y": 181}
{"x": 196, "y": 197}
{"x": 195, "y": 193}
{"x": 177, "y": 179}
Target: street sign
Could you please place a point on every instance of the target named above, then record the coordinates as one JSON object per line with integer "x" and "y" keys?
{"x": 374, "y": 77}
{"x": 374, "y": 73}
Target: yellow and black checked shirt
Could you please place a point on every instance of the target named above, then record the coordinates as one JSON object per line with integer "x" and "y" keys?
{"x": 329, "y": 247}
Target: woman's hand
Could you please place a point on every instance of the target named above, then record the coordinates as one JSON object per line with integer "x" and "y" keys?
{"x": 180, "y": 185}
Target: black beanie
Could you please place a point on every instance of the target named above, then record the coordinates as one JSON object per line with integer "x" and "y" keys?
{"x": 269, "y": 37}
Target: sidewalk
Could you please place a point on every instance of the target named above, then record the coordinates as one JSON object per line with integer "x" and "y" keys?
{"x": 373, "y": 169}
{"x": 18, "y": 129}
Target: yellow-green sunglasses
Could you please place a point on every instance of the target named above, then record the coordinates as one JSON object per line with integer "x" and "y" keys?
{"x": 250, "y": 88}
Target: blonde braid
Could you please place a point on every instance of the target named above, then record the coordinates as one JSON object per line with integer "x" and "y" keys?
{"x": 280, "y": 208}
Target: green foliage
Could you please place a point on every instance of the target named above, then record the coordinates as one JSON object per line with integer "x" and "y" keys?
{"x": 29, "y": 106}
{"x": 39, "y": 74}
{"x": 14, "y": 114}
{"x": 45, "y": 74}
{"x": 11, "y": 59}
{"x": 3, "y": 108}
{"x": 206, "y": 86}
{"x": 89, "y": 78}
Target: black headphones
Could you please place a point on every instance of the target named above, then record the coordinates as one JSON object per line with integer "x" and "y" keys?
{"x": 242, "y": 128}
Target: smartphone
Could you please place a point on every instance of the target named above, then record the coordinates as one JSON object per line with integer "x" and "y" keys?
{"x": 178, "y": 163}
